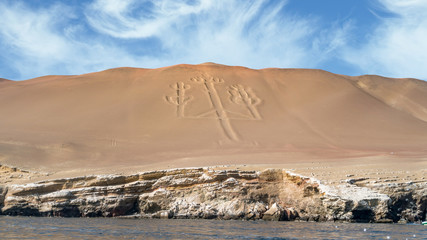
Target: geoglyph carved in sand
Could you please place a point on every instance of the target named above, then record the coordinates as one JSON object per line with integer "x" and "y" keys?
{"x": 238, "y": 94}
{"x": 180, "y": 100}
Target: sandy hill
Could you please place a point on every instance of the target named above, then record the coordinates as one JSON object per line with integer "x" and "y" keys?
{"x": 207, "y": 114}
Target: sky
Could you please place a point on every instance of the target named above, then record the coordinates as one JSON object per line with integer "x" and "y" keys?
{"x": 351, "y": 37}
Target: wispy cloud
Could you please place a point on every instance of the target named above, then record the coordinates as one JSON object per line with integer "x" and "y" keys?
{"x": 64, "y": 39}
{"x": 398, "y": 46}
{"x": 251, "y": 33}
{"x": 41, "y": 42}
{"x": 136, "y": 19}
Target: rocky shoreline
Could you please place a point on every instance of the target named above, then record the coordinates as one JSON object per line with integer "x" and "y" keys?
{"x": 209, "y": 193}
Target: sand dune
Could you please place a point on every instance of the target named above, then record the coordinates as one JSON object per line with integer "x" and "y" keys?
{"x": 207, "y": 114}
{"x": 408, "y": 95}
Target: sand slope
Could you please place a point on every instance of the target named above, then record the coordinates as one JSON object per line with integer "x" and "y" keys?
{"x": 207, "y": 114}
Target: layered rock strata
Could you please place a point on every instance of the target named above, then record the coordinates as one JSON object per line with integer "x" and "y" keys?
{"x": 272, "y": 194}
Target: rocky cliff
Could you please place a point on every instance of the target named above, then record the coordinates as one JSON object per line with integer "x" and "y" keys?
{"x": 272, "y": 194}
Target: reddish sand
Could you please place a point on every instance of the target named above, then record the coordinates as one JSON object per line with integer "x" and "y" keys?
{"x": 129, "y": 119}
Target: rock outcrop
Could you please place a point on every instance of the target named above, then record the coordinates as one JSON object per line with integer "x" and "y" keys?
{"x": 273, "y": 194}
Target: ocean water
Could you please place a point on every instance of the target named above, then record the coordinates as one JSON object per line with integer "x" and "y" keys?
{"x": 113, "y": 228}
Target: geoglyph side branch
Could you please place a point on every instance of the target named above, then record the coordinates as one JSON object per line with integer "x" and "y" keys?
{"x": 242, "y": 96}
{"x": 180, "y": 100}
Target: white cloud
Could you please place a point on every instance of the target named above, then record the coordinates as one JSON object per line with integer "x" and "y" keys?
{"x": 248, "y": 33}
{"x": 398, "y": 47}
{"x": 40, "y": 43}
{"x": 118, "y": 19}
{"x": 57, "y": 39}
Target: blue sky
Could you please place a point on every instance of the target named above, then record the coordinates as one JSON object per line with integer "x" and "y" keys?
{"x": 352, "y": 37}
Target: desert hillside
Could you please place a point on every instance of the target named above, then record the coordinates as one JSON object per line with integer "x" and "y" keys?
{"x": 207, "y": 114}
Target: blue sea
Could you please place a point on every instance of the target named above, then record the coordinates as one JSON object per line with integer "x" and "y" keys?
{"x": 114, "y": 228}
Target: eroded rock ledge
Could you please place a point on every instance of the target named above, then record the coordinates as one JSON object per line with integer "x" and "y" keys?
{"x": 273, "y": 194}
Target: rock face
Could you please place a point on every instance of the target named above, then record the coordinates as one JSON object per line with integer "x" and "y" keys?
{"x": 272, "y": 194}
